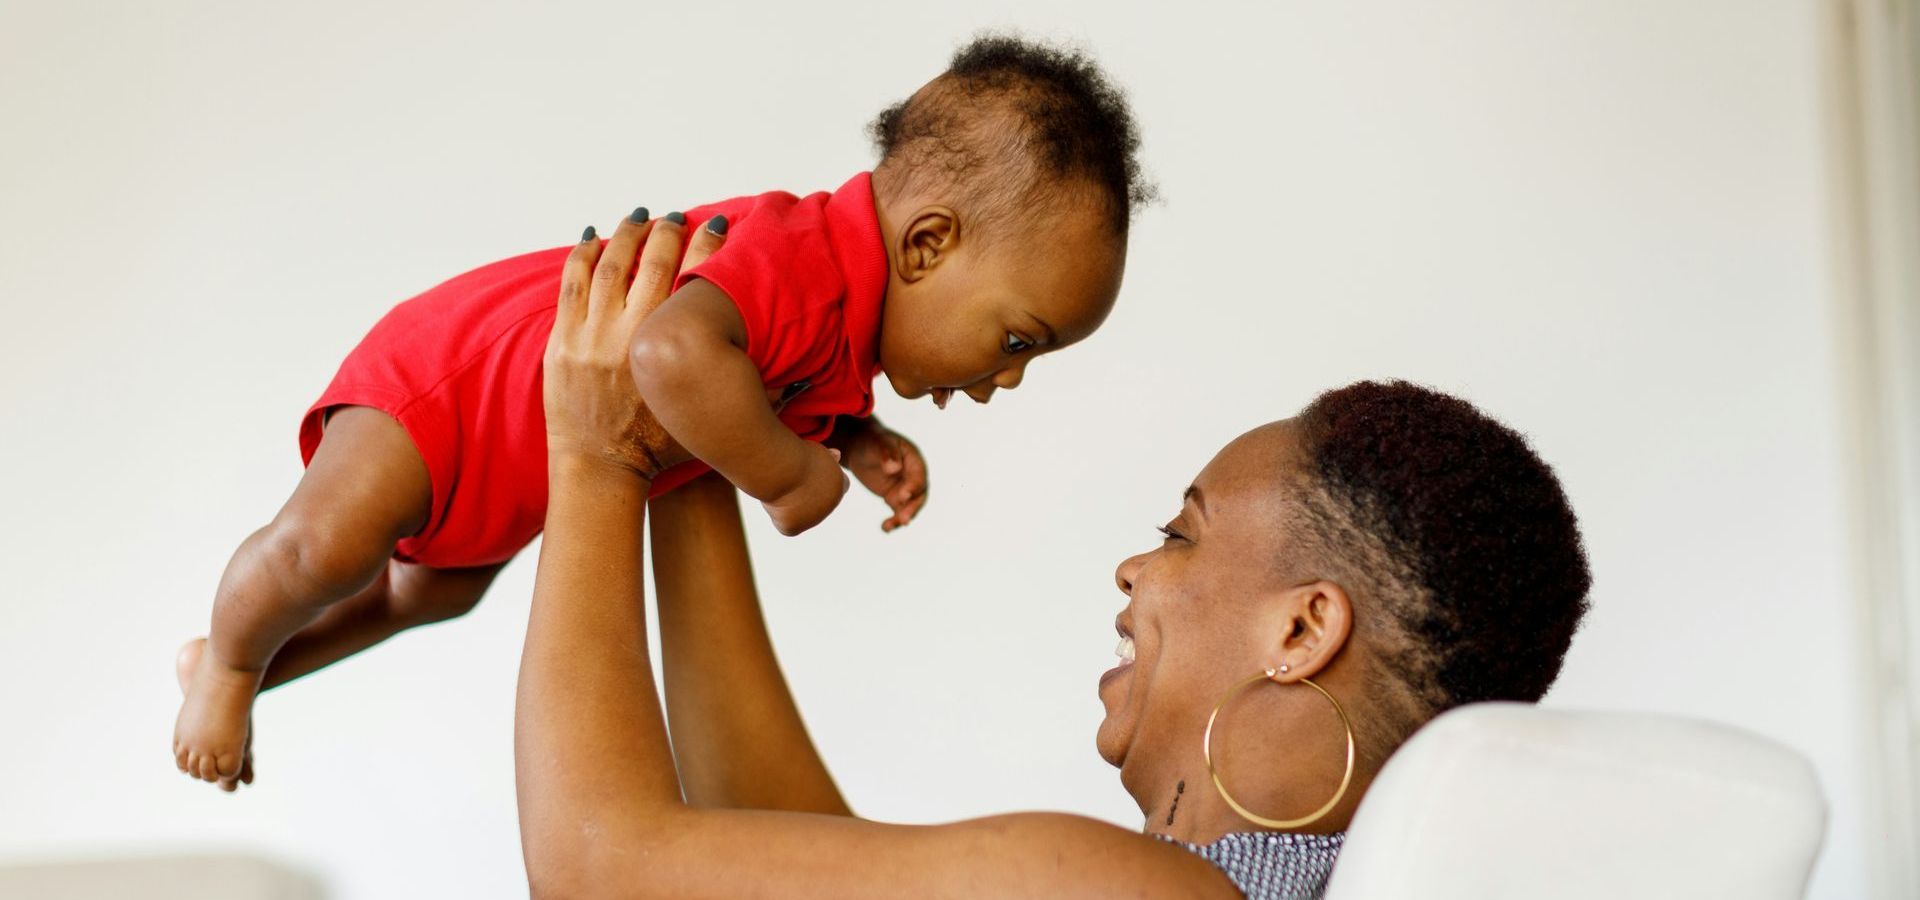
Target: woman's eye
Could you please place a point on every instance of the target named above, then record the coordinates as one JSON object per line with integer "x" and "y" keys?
{"x": 1016, "y": 343}
{"x": 1169, "y": 534}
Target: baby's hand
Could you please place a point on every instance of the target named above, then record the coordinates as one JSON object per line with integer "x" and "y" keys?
{"x": 890, "y": 466}
{"x": 810, "y": 501}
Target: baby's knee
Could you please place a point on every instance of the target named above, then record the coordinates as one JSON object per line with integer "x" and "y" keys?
{"x": 322, "y": 556}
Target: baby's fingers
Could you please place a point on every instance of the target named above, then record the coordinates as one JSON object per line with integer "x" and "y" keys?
{"x": 895, "y": 458}
{"x": 911, "y": 494}
{"x": 913, "y": 469}
{"x": 912, "y": 510}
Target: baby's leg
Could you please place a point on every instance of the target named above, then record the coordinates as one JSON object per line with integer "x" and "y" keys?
{"x": 365, "y": 489}
{"x": 403, "y": 596}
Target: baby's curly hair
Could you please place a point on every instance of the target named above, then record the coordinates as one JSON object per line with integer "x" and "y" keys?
{"x": 1459, "y": 535}
{"x": 1011, "y": 112}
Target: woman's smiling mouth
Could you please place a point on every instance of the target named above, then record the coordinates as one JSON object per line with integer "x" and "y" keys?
{"x": 1125, "y": 651}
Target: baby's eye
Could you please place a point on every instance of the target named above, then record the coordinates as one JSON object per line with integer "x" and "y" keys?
{"x": 1016, "y": 343}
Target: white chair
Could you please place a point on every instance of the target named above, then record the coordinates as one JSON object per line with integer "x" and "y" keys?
{"x": 205, "y": 877}
{"x": 1510, "y": 800}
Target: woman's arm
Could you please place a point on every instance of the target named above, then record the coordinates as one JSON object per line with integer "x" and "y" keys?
{"x": 600, "y": 806}
{"x": 589, "y": 743}
{"x": 737, "y": 736}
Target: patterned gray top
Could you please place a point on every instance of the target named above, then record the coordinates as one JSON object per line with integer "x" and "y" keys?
{"x": 1272, "y": 865}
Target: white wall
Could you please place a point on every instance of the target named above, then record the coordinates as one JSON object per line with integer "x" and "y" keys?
{"x": 1606, "y": 222}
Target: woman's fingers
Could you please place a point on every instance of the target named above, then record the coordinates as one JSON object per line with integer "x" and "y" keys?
{"x": 576, "y": 277}
{"x": 711, "y": 235}
{"x": 615, "y": 269}
{"x": 659, "y": 261}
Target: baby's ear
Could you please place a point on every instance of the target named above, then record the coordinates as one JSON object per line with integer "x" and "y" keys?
{"x": 931, "y": 235}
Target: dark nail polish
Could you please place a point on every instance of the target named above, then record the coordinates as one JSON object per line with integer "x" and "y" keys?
{"x": 677, "y": 218}
{"x": 638, "y": 216}
{"x": 717, "y": 224}
{"x": 588, "y": 234}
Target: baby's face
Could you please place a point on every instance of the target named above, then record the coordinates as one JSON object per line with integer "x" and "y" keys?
{"x": 973, "y": 323}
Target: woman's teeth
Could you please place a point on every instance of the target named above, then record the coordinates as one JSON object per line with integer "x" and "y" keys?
{"x": 1125, "y": 650}
{"x": 941, "y": 396}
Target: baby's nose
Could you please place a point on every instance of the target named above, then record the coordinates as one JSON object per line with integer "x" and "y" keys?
{"x": 1009, "y": 378}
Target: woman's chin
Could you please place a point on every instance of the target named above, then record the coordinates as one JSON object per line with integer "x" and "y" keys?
{"x": 1111, "y": 742}
{"x": 1114, "y": 735}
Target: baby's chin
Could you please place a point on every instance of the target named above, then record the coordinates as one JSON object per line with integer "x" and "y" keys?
{"x": 907, "y": 390}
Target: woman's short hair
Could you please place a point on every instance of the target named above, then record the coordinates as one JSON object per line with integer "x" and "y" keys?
{"x": 1458, "y": 537}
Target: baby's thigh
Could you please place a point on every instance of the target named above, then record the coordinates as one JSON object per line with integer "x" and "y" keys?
{"x": 421, "y": 595}
{"x": 366, "y": 483}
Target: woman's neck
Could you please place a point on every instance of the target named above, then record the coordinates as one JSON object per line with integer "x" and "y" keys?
{"x": 1275, "y": 778}
{"x": 1191, "y": 810}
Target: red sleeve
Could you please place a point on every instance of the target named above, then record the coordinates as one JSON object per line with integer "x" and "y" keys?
{"x": 779, "y": 270}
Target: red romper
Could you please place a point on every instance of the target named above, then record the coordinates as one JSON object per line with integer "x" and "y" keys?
{"x": 459, "y": 366}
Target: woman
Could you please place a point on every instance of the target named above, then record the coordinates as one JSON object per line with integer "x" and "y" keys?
{"x": 1330, "y": 583}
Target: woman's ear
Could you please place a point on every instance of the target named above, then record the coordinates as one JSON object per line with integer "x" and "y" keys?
{"x": 931, "y": 235}
{"x": 1317, "y": 623}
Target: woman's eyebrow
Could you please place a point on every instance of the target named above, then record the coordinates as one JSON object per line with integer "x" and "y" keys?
{"x": 1194, "y": 497}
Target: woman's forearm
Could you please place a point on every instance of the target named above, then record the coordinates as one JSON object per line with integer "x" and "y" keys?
{"x": 590, "y": 748}
{"x": 737, "y": 736}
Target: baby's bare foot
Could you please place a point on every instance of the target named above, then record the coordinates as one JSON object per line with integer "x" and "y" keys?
{"x": 212, "y": 738}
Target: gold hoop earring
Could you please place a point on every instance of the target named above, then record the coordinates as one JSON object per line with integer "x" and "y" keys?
{"x": 1206, "y": 748}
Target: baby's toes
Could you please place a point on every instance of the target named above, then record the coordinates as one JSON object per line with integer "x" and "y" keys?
{"x": 226, "y": 766}
{"x": 180, "y": 757}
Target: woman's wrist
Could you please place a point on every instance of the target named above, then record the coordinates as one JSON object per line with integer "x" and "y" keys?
{"x": 566, "y": 467}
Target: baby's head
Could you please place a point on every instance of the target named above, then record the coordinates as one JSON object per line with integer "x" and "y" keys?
{"x": 1005, "y": 187}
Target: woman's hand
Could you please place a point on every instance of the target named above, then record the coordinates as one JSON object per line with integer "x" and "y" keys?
{"x": 593, "y": 410}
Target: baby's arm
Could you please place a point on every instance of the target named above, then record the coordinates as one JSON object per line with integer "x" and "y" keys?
{"x": 690, "y": 363}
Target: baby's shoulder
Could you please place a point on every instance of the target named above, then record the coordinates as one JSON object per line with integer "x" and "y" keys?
{"x": 768, "y": 213}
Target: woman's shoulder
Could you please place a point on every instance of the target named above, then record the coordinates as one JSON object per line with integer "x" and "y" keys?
{"x": 1075, "y": 855}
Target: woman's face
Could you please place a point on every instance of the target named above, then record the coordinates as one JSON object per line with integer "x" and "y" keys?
{"x": 1194, "y": 609}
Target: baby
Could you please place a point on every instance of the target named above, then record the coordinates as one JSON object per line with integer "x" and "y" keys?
{"x": 992, "y": 231}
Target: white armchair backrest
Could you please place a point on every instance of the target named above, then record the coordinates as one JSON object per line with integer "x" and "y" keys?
{"x": 1510, "y": 800}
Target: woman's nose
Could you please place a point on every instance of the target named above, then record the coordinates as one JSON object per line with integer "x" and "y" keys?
{"x": 1124, "y": 576}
